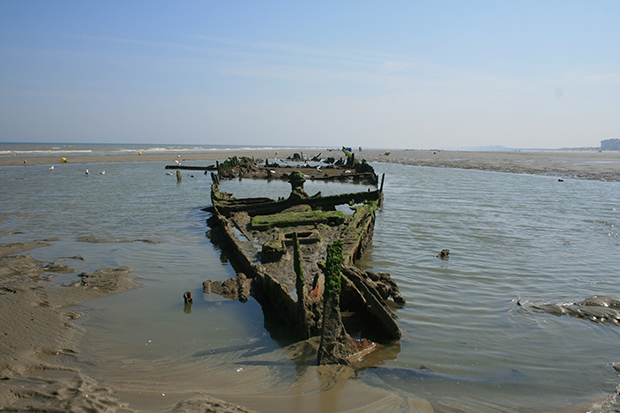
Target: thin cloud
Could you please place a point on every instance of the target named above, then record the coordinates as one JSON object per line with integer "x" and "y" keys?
{"x": 335, "y": 55}
{"x": 602, "y": 79}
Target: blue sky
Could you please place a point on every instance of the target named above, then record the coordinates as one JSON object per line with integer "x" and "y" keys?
{"x": 411, "y": 74}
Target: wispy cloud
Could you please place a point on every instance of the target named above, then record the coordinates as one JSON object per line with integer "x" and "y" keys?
{"x": 270, "y": 54}
{"x": 602, "y": 78}
{"x": 286, "y": 61}
{"x": 336, "y": 55}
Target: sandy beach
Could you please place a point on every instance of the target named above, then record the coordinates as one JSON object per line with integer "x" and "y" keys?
{"x": 36, "y": 328}
{"x": 593, "y": 165}
{"x": 37, "y": 332}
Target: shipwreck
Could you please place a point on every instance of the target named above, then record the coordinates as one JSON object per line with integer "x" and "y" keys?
{"x": 297, "y": 256}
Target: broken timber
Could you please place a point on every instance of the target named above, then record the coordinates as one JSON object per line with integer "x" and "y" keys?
{"x": 281, "y": 246}
{"x": 348, "y": 169}
{"x": 192, "y": 168}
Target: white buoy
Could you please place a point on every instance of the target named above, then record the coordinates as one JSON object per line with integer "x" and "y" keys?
{"x": 87, "y": 172}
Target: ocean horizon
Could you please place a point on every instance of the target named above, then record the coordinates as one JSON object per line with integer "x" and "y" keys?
{"x": 44, "y": 149}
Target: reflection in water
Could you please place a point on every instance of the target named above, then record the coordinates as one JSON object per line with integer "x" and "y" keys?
{"x": 255, "y": 347}
{"x": 187, "y": 308}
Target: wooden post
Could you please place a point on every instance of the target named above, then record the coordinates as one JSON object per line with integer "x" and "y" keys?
{"x": 302, "y": 305}
{"x": 336, "y": 345}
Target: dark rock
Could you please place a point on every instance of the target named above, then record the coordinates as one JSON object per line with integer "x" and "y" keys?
{"x": 188, "y": 297}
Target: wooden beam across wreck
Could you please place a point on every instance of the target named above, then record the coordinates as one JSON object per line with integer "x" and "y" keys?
{"x": 192, "y": 168}
{"x": 265, "y": 206}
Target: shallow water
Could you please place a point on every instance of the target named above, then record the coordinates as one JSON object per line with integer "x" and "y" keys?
{"x": 510, "y": 237}
{"x": 8, "y": 149}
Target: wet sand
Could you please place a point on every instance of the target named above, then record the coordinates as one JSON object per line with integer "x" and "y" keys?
{"x": 593, "y": 165}
{"x": 36, "y": 330}
{"x": 40, "y": 347}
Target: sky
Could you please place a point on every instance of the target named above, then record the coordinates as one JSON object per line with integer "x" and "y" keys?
{"x": 389, "y": 74}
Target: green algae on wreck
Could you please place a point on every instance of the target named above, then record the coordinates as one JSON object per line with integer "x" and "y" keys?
{"x": 295, "y": 219}
{"x": 333, "y": 274}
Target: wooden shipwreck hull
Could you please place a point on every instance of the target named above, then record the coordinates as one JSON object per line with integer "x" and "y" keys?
{"x": 344, "y": 169}
{"x": 279, "y": 249}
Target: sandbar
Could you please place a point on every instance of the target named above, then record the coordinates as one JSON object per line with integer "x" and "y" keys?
{"x": 572, "y": 164}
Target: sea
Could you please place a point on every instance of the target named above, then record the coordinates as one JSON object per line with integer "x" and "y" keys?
{"x": 471, "y": 341}
{"x": 68, "y": 149}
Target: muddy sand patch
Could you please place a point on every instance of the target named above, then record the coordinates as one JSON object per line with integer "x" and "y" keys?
{"x": 36, "y": 326}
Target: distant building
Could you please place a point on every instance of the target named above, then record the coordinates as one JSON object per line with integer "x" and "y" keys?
{"x": 610, "y": 145}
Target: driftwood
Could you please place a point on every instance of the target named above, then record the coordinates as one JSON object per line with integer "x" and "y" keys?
{"x": 278, "y": 249}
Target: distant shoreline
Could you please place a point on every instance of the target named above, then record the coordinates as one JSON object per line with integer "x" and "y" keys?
{"x": 565, "y": 164}
{"x": 591, "y": 165}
